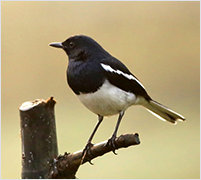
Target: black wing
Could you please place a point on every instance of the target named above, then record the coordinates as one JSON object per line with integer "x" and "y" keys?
{"x": 119, "y": 75}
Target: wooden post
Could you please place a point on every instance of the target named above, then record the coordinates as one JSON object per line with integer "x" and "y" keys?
{"x": 39, "y": 141}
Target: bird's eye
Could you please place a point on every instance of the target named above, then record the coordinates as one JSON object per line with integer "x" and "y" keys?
{"x": 71, "y": 44}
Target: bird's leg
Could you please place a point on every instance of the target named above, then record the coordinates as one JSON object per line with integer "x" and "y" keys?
{"x": 87, "y": 150}
{"x": 111, "y": 141}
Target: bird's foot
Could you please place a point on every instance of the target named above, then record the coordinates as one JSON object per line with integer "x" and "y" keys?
{"x": 86, "y": 154}
{"x": 111, "y": 143}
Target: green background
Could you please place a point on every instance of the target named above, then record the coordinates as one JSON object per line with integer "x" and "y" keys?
{"x": 158, "y": 41}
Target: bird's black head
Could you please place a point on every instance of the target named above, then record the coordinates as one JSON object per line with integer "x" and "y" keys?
{"x": 80, "y": 47}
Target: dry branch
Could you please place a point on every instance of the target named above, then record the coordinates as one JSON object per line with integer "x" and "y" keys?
{"x": 39, "y": 144}
{"x": 67, "y": 165}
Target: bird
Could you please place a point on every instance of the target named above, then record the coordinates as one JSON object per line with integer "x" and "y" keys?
{"x": 105, "y": 85}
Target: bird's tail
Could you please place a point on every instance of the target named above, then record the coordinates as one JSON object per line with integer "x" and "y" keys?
{"x": 163, "y": 112}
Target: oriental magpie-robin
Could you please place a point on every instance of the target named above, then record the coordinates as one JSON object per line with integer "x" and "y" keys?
{"x": 105, "y": 85}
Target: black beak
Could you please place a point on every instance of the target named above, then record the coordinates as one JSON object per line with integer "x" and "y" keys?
{"x": 56, "y": 45}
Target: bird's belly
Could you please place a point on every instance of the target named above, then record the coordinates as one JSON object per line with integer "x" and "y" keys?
{"x": 108, "y": 100}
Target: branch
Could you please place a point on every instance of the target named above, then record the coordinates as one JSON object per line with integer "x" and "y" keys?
{"x": 39, "y": 144}
{"x": 67, "y": 165}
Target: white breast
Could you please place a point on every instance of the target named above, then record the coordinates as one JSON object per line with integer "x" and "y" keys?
{"x": 108, "y": 100}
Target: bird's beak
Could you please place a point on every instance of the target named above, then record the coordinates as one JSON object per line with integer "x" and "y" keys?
{"x": 56, "y": 45}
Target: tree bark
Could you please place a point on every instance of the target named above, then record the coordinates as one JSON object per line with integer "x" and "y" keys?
{"x": 39, "y": 144}
{"x": 39, "y": 141}
{"x": 66, "y": 166}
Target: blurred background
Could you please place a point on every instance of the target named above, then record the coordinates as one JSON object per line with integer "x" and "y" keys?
{"x": 158, "y": 41}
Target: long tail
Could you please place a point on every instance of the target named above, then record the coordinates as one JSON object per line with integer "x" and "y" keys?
{"x": 163, "y": 112}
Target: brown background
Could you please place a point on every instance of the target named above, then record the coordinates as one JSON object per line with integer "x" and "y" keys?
{"x": 158, "y": 41}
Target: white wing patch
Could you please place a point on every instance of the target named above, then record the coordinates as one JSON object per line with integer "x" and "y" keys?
{"x": 128, "y": 76}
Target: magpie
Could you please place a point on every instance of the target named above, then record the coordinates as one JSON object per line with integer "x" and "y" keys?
{"x": 105, "y": 85}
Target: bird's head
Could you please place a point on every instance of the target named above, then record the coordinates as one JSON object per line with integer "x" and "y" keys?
{"x": 79, "y": 47}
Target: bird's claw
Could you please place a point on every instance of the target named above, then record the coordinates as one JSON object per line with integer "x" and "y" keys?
{"x": 111, "y": 143}
{"x": 86, "y": 154}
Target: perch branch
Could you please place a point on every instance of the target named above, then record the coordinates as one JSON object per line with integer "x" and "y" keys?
{"x": 39, "y": 144}
{"x": 67, "y": 165}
